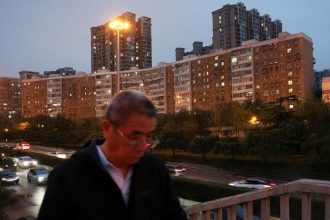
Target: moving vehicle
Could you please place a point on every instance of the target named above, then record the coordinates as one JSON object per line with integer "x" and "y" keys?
{"x": 26, "y": 161}
{"x": 23, "y": 146}
{"x": 253, "y": 183}
{"x": 58, "y": 154}
{"x": 7, "y": 163}
{"x": 9, "y": 177}
{"x": 175, "y": 169}
{"x": 37, "y": 175}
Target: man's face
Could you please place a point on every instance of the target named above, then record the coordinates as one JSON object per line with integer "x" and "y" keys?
{"x": 130, "y": 138}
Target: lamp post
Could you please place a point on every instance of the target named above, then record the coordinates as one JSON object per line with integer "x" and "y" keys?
{"x": 118, "y": 25}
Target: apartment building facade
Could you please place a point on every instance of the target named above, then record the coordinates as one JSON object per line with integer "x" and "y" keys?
{"x": 10, "y": 97}
{"x": 268, "y": 70}
{"x": 233, "y": 24}
{"x": 135, "y": 45}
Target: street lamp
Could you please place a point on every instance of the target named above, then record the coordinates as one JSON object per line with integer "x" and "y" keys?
{"x": 118, "y": 25}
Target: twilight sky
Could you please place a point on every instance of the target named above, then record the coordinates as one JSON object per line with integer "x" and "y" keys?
{"x": 41, "y": 35}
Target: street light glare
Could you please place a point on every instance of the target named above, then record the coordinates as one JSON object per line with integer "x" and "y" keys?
{"x": 118, "y": 25}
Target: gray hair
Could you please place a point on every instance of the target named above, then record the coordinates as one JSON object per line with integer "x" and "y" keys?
{"x": 127, "y": 102}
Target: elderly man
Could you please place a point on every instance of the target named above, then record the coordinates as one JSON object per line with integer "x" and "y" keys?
{"x": 115, "y": 178}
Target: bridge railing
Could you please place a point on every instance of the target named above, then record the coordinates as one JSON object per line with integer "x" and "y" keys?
{"x": 306, "y": 187}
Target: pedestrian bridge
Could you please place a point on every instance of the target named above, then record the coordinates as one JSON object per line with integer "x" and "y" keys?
{"x": 303, "y": 188}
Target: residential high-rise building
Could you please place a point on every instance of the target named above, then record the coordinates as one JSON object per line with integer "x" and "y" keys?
{"x": 135, "y": 45}
{"x": 10, "y": 97}
{"x": 233, "y": 24}
{"x": 271, "y": 71}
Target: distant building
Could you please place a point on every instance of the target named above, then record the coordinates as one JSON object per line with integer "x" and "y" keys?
{"x": 318, "y": 76}
{"x": 65, "y": 71}
{"x": 233, "y": 24}
{"x": 198, "y": 50}
{"x": 135, "y": 45}
{"x": 326, "y": 89}
{"x": 26, "y": 74}
{"x": 10, "y": 97}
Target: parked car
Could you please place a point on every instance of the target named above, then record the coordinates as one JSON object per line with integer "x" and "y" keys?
{"x": 175, "y": 169}
{"x": 37, "y": 175}
{"x": 23, "y": 146}
{"x": 9, "y": 177}
{"x": 253, "y": 183}
{"x": 58, "y": 154}
{"x": 26, "y": 161}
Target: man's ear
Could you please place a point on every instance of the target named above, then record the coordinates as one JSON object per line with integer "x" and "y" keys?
{"x": 107, "y": 128}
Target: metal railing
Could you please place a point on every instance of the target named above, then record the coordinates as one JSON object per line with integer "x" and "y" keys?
{"x": 306, "y": 187}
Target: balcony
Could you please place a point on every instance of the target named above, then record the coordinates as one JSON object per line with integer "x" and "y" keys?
{"x": 304, "y": 188}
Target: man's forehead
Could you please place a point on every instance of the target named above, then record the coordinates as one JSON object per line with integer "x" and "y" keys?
{"x": 141, "y": 121}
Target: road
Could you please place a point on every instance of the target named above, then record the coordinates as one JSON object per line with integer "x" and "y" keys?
{"x": 33, "y": 195}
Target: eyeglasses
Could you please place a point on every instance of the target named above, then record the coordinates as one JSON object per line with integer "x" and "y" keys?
{"x": 152, "y": 141}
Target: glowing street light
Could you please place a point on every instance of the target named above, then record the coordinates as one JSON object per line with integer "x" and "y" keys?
{"x": 254, "y": 120}
{"x": 118, "y": 25}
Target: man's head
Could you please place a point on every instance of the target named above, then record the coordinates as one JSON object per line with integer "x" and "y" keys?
{"x": 127, "y": 102}
{"x": 130, "y": 122}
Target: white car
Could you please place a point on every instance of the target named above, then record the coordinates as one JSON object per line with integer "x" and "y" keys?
{"x": 58, "y": 154}
{"x": 37, "y": 175}
{"x": 26, "y": 161}
{"x": 253, "y": 183}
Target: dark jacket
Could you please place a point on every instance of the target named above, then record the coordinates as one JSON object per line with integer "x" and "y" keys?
{"x": 80, "y": 188}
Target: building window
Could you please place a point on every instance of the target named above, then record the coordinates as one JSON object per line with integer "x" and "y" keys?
{"x": 291, "y": 106}
{"x": 288, "y": 50}
{"x": 290, "y": 82}
{"x": 290, "y": 90}
{"x": 289, "y": 74}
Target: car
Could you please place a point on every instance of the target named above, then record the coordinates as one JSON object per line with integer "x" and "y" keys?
{"x": 26, "y": 161}
{"x": 58, "y": 154}
{"x": 7, "y": 163}
{"x": 23, "y": 146}
{"x": 9, "y": 177}
{"x": 175, "y": 169}
{"x": 37, "y": 175}
{"x": 254, "y": 183}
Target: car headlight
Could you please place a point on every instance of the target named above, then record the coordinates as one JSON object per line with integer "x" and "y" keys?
{"x": 34, "y": 162}
{"x": 25, "y": 163}
{"x": 41, "y": 178}
{"x": 4, "y": 179}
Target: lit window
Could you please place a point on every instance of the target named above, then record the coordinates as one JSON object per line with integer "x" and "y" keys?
{"x": 290, "y": 90}
{"x": 289, "y": 74}
{"x": 234, "y": 60}
{"x": 222, "y": 84}
{"x": 216, "y": 58}
{"x": 291, "y": 106}
{"x": 290, "y": 82}
{"x": 222, "y": 63}
{"x": 288, "y": 50}
{"x": 216, "y": 65}
{"x": 258, "y": 86}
